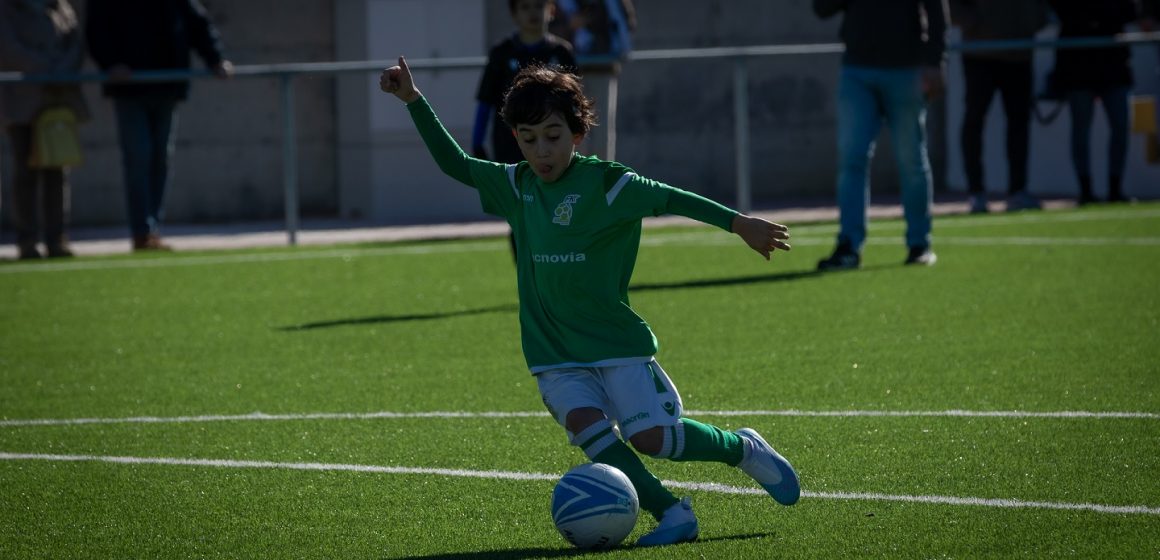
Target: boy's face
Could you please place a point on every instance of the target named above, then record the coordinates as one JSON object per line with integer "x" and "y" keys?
{"x": 531, "y": 16}
{"x": 548, "y": 146}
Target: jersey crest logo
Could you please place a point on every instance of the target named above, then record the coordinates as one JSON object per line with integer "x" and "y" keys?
{"x": 564, "y": 210}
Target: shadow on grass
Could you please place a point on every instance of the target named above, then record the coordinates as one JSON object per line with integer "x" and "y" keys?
{"x": 522, "y": 553}
{"x": 715, "y": 282}
{"x": 509, "y": 308}
{"x": 506, "y": 308}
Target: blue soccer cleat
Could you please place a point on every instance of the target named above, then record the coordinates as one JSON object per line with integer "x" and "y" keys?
{"x": 769, "y": 469}
{"x": 678, "y": 525}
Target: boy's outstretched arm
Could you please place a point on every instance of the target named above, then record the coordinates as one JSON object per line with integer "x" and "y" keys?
{"x": 762, "y": 236}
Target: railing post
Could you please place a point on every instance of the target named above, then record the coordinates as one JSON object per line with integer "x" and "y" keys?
{"x": 741, "y": 133}
{"x": 289, "y": 158}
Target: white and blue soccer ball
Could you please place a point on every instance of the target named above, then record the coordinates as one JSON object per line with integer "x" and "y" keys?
{"x": 594, "y": 506}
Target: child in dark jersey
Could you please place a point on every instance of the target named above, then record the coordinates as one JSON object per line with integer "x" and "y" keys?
{"x": 530, "y": 45}
{"x": 577, "y": 223}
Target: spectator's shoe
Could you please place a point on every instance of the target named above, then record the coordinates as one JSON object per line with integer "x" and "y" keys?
{"x": 29, "y": 252}
{"x": 769, "y": 469}
{"x": 61, "y": 250}
{"x": 1022, "y": 200}
{"x": 843, "y": 258}
{"x": 678, "y": 525}
{"x": 149, "y": 242}
{"x": 978, "y": 204}
{"x": 921, "y": 256}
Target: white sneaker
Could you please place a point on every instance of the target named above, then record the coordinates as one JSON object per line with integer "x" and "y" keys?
{"x": 677, "y": 525}
{"x": 769, "y": 469}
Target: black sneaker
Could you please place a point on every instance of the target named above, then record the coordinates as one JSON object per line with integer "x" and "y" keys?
{"x": 921, "y": 256}
{"x": 844, "y": 258}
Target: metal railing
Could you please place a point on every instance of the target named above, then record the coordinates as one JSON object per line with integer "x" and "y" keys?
{"x": 286, "y": 73}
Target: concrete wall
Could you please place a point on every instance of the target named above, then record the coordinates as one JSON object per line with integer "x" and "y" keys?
{"x": 359, "y": 157}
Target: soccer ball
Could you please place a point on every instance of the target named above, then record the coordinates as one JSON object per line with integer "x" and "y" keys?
{"x": 594, "y": 506}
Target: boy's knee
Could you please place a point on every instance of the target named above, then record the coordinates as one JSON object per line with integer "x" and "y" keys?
{"x": 580, "y": 419}
{"x": 649, "y": 441}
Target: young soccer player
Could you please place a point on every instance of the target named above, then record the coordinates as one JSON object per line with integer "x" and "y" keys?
{"x": 577, "y": 225}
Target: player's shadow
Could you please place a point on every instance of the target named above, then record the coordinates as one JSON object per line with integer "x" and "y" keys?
{"x": 376, "y": 319}
{"x": 735, "y": 281}
{"x": 511, "y": 307}
{"x": 522, "y": 553}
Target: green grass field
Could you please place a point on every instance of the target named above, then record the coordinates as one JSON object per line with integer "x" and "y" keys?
{"x": 298, "y": 403}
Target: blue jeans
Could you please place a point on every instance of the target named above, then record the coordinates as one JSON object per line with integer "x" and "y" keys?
{"x": 867, "y": 97}
{"x": 146, "y": 127}
{"x": 1082, "y": 104}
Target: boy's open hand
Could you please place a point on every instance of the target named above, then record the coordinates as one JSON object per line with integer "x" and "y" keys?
{"x": 762, "y": 236}
{"x": 397, "y": 80}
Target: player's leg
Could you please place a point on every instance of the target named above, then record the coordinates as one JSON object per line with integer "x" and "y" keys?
{"x": 649, "y": 409}
{"x": 576, "y": 399}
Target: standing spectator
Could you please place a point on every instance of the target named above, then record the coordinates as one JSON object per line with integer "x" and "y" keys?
{"x": 1011, "y": 74}
{"x": 39, "y": 37}
{"x": 1150, "y": 22}
{"x": 531, "y": 44}
{"x": 1087, "y": 75}
{"x": 126, "y": 36}
{"x": 894, "y": 62}
{"x": 600, "y": 31}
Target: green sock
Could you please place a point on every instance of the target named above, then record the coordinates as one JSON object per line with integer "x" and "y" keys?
{"x": 654, "y": 498}
{"x": 704, "y": 442}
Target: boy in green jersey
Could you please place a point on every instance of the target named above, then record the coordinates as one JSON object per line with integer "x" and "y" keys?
{"x": 577, "y": 223}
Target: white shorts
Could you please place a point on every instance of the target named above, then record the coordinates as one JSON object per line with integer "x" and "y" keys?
{"x": 637, "y": 397}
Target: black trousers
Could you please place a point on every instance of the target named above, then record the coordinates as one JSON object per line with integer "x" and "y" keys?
{"x": 36, "y": 193}
{"x": 1013, "y": 81}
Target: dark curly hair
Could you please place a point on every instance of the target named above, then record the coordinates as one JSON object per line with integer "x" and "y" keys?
{"x": 539, "y": 91}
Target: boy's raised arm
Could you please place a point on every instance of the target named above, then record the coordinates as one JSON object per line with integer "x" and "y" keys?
{"x": 397, "y": 81}
{"x": 450, "y": 158}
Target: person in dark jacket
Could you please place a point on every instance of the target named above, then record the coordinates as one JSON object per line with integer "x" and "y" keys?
{"x": 1011, "y": 74}
{"x": 39, "y": 37}
{"x": 127, "y": 36}
{"x": 894, "y": 62}
{"x": 1088, "y": 75}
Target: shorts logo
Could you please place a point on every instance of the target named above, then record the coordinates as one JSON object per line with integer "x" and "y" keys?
{"x": 564, "y": 210}
{"x": 632, "y": 419}
{"x": 670, "y": 408}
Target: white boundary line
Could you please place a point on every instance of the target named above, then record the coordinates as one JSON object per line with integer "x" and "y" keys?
{"x": 260, "y": 416}
{"x": 511, "y": 475}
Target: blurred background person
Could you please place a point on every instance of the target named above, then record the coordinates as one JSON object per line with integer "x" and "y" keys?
{"x": 126, "y": 36}
{"x": 894, "y": 62}
{"x": 1011, "y": 74}
{"x": 1089, "y": 75}
{"x": 600, "y": 32}
{"x": 530, "y": 44}
{"x": 39, "y": 37}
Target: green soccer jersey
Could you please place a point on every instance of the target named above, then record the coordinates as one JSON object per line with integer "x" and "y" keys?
{"x": 576, "y": 245}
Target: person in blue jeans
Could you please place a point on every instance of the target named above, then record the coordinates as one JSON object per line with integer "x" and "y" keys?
{"x": 893, "y": 63}
{"x": 126, "y": 36}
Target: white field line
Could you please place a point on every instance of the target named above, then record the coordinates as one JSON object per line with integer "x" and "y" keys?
{"x": 523, "y": 476}
{"x": 259, "y": 416}
{"x": 706, "y": 237}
